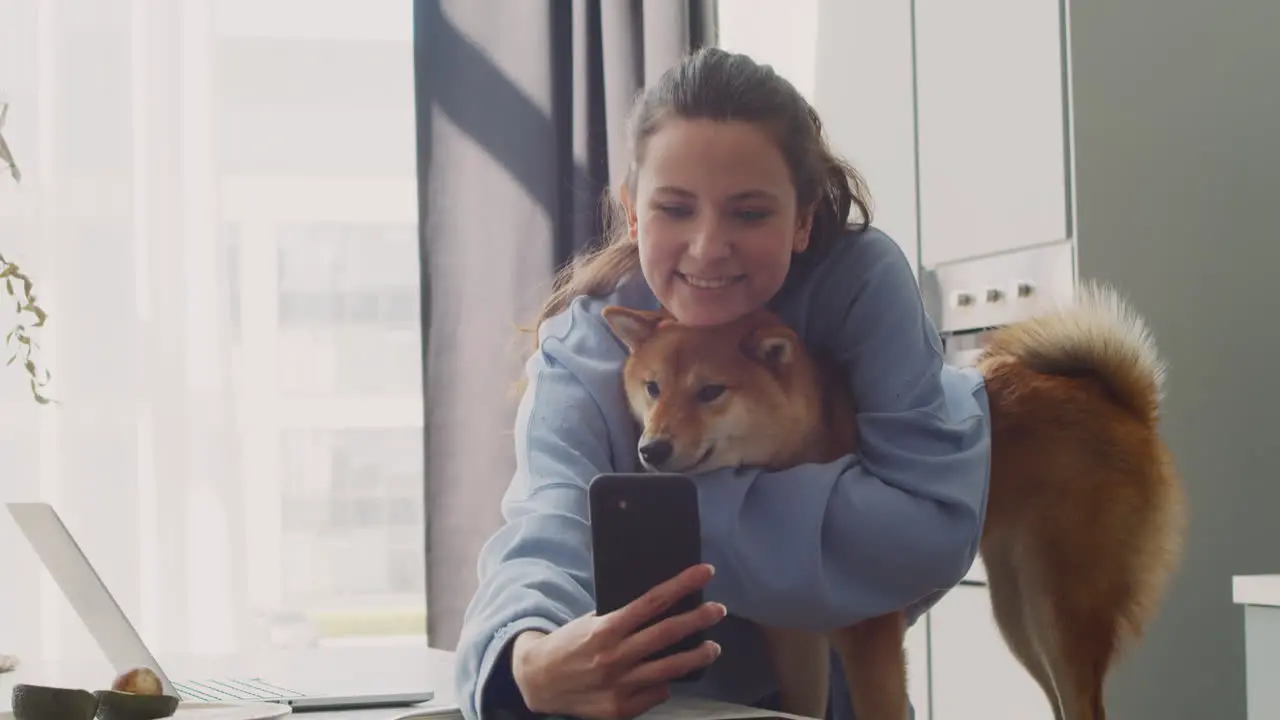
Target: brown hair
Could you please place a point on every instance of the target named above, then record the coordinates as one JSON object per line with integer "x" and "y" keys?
{"x": 713, "y": 84}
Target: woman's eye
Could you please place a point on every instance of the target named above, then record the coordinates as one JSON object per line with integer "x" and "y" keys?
{"x": 675, "y": 211}
{"x": 708, "y": 393}
{"x": 753, "y": 215}
{"x": 651, "y": 387}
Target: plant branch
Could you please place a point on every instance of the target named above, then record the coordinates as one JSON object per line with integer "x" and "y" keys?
{"x": 19, "y": 341}
{"x": 21, "y": 291}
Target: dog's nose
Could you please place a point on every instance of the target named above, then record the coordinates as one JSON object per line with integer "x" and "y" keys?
{"x": 656, "y": 452}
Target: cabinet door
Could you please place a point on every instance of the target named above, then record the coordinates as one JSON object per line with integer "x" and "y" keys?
{"x": 973, "y": 673}
{"x": 863, "y": 91}
{"x": 990, "y": 125}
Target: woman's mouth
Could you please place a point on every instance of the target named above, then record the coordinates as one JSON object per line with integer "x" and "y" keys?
{"x": 709, "y": 282}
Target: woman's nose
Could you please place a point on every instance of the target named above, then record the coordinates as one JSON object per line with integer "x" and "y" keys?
{"x": 710, "y": 242}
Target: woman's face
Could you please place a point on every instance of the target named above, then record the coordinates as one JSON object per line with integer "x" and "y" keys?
{"x": 715, "y": 218}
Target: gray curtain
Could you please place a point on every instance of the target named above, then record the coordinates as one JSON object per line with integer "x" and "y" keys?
{"x": 520, "y": 106}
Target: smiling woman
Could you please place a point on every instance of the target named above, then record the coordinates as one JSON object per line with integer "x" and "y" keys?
{"x": 709, "y": 211}
{"x": 715, "y": 169}
{"x": 715, "y": 218}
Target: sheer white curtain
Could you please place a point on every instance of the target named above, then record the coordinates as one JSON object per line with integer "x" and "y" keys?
{"x": 218, "y": 209}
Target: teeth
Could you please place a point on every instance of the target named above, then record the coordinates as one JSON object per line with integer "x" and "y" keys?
{"x": 707, "y": 283}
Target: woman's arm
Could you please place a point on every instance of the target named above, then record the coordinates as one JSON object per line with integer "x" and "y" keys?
{"x": 535, "y": 572}
{"x": 824, "y": 546}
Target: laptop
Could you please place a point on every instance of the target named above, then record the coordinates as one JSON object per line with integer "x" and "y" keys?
{"x": 125, "y": 649}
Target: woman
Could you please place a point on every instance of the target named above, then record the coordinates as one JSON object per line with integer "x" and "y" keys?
{"x": 733, "y": 202}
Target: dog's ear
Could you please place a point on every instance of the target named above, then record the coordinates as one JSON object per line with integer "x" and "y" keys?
{"x": 773, "y": 345}
{"x": 632, "y": 327}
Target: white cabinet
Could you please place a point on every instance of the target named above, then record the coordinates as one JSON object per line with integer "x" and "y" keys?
{"x": 990, "y": 126}
{"x": 974, "y": 675}
{"x": 862, "y": 88}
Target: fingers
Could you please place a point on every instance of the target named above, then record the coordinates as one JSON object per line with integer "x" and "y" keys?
{"x": 664, "y": 670}
{"x": 626, "y": 620}
{"x": 670, "y": 631}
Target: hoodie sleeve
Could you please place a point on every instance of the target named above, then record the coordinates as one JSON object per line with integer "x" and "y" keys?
{"x": 826, "y": 545}
{"x": 535, "y": 572}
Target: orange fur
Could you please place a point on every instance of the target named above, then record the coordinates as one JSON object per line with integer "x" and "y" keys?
{"x": 1085, "y": 511}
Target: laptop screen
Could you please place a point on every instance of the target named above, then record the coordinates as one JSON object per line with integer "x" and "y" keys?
{"x": 84, "y": 589}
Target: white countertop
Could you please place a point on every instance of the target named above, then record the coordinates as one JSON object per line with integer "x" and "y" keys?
{"x": 1256, "y": 590}
{"x": 397, "y": 667}
{"x": 382, "y": 667}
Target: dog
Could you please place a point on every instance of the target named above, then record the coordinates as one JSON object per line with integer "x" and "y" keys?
{"x": 1074, "y": 399}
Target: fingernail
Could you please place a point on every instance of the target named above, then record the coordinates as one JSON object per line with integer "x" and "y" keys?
{"x": 715, "y": 648}
{"x": 723, "y": 610}
{"x": 711, "y": 568}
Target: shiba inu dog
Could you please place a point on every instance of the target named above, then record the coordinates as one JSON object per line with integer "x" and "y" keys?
{"x": 1074, "y": 401}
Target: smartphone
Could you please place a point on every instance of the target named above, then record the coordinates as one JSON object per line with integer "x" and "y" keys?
{"x": 645, "y": 530}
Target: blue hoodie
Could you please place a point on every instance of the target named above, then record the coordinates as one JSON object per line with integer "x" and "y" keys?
{"x": 818, "y": 546}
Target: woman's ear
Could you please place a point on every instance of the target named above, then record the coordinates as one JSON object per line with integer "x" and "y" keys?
{"x": 804, "y": 228}
{"x": 629, "y": 208}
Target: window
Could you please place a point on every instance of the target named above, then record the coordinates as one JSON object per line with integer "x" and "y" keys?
{"x": 348, "y": 309}
{"x": 219, "y": 209}
{"x": 353, "y": 506}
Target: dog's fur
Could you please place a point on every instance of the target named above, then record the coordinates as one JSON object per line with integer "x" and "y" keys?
{"x": 1085, "y": 511}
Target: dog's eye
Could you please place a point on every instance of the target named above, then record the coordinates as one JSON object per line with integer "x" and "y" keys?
{"x": 707, "y": 393}
{"x": 651, "y": 387}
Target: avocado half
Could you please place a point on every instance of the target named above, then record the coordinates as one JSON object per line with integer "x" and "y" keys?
{"x": 40, "y": 702}
{"x": 118, "y": 705}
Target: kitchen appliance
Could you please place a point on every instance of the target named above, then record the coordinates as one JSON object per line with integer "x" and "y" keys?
{"x": 968, "y": 298}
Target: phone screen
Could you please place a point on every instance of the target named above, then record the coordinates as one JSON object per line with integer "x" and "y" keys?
{"x": 645, "y": 530}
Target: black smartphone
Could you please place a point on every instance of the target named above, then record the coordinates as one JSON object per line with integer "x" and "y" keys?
{"x": 645, "y": 530}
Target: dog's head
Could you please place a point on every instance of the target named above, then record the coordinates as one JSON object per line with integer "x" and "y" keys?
{"x": 742, "y": 393}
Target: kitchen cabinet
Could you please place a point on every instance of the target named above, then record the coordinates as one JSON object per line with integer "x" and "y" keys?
{"x": 990, "y": 127}
{"x": 956, "y": 117}
{"x": 974, "y": 675}
{"x": 863, "y": 90}
{"x": 1258, "y": 598}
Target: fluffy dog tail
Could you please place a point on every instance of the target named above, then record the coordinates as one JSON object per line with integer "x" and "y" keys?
{"x": 1099, "y": 336}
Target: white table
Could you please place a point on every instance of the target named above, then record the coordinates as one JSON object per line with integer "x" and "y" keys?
{"x": 396, "y": 667}
{"x": 391, "y": 667}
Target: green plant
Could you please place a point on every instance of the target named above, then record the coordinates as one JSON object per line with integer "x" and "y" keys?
{"x": 22, "y": 291}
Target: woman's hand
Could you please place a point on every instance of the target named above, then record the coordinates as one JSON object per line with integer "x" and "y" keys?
{"x": 594, "y": 666}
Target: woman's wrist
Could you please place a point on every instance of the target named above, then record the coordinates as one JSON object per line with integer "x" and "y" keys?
{"x": 522, "y": 669}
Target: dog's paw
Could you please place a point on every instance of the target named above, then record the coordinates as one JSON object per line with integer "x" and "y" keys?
{"x": 8, "y": 663}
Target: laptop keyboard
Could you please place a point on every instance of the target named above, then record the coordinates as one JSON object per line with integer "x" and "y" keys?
{"x": 233, "y": 689}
